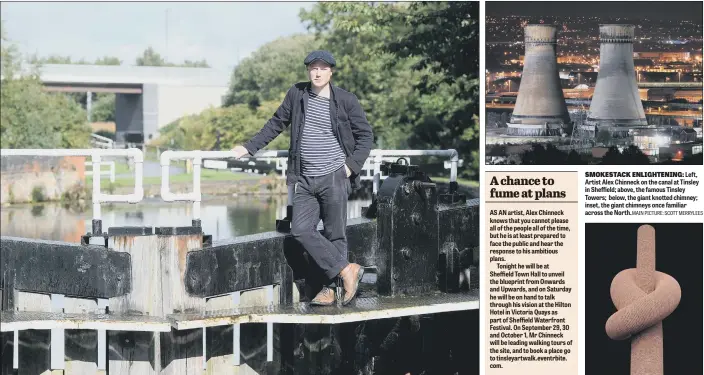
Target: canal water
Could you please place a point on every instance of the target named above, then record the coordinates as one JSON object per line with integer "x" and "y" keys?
{"x": 221, "y": 218}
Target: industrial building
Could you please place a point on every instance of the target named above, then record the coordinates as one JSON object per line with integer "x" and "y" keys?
{"x": 606, "y": 107}
{"x": 691, "y": 96}
{"x": 616, "y": 102}
{"x": 663, "y": 56}
{"x": 540, "y": 106}
{"x": 653, "y": 140}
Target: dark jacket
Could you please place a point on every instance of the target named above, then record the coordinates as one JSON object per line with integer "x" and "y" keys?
{"x": 349, "y": 124}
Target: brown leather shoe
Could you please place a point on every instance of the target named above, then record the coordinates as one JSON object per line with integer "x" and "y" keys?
{"x": 351, "y": 275}
{"x": 325, "y": 297}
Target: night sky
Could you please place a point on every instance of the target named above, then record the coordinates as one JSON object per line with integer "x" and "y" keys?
{"x": 666, "y": 10}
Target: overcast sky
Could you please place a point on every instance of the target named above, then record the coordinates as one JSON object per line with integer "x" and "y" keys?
{"x": 221, "y": 33}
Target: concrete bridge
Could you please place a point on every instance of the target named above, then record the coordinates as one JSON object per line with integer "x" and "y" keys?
{"x": 147, "y": 98}
{"x": 144, "y": 300}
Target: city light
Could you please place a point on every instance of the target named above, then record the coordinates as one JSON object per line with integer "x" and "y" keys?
{"x": 662, "y": 141}
{"x": 577, "y": 45}
{"x": 667, "y": 66}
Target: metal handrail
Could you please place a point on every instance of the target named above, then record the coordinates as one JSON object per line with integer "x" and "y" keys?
{"x": 452, "y": 154}
{"x": 96, "y": 154}
{"x": 110, "y": 172}
{"x": 198, "y": 156}
{"x": 99, "y": 140}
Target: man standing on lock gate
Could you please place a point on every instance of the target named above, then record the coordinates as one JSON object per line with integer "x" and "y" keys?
{"x": 330, "y": 141}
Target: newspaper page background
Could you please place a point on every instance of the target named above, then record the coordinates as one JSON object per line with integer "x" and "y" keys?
{"x": 686, "y": 243}
{"x": 672, "y": 221}
{"x": 531, "y": 257}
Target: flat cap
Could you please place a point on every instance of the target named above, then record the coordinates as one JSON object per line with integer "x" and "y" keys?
{"x": 319, "y": 55}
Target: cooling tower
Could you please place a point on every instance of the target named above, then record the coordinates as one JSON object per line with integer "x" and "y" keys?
{"x": 540, "y": 106}
{"x": 616, "y": 102}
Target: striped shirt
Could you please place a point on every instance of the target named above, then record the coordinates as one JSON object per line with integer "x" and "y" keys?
{"x": 321, "y": 153}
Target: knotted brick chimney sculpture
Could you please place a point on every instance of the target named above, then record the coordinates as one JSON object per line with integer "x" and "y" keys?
{"x": 643, "y": 297}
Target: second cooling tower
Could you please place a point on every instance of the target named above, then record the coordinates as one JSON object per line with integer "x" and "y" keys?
{"x": 616, "y": 102}
{"x": 540, "y": 107}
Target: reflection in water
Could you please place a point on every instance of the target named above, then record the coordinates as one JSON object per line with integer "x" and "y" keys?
{"x": 221, "y": 218}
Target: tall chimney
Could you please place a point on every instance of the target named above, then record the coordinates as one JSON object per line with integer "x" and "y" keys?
{"x": 616, "y": 102}
{"x": 540, "y": 107}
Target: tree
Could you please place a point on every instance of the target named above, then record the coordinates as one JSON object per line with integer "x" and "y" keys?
{"x": 574, "y": 158}
{"x": 234, "y": 125}
{"x": 103, "y": 108}
{"x": 195, "y": 64}
{"x": 150, "y": 58}
{"x": 56, "y": 59}
{"x": 546, "y": 155}
{"x": 67, "y": 60}
{"x": 612, "y": 156}
{"x": 270, "y": 70}
{"x": 445, "y": 38}
{"x": 357, "y": 35}
{"x": 603, "y": 137}
{"x": 10, "y": 63}
{"x": 695, "y": 159}
{"x": 632, "y": 155}
{"x": 418, "y": 93}
{"x": 32, "y": 118}
{"x": 108, "y": 60}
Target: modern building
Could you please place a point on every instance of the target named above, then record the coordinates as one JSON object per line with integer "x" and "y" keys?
{"x": 147, "y": 98}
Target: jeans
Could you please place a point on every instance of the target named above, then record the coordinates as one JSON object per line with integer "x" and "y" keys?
{"x": 323, "y": 197}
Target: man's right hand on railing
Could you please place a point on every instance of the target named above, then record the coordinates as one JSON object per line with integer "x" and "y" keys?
{"x": 240, "y": 151}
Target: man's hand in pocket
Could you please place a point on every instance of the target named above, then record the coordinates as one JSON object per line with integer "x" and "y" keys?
{"x": 348, "y": 171}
